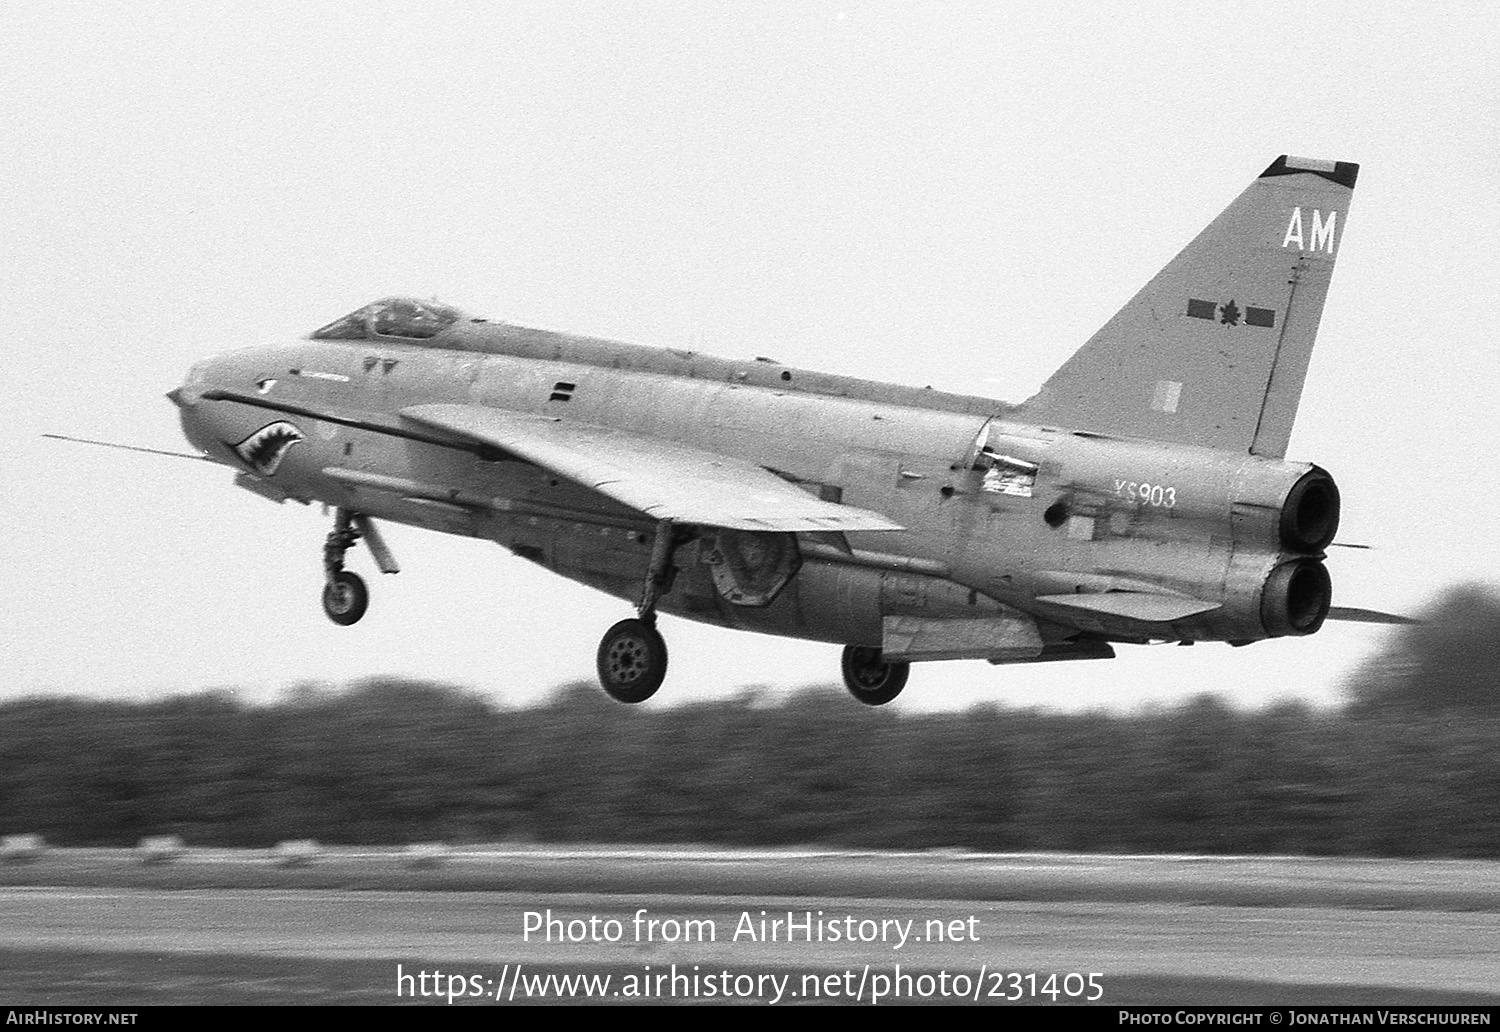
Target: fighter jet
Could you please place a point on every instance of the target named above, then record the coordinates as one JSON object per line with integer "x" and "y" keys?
{"x": 1142, "y": 495}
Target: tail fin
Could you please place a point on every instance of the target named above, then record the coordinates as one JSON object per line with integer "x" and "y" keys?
{"x": 1214, "y": 350}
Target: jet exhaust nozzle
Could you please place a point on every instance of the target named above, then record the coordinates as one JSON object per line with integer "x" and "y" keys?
{"x": 1310, "y": 515}
{"x": 1296, "y": 598}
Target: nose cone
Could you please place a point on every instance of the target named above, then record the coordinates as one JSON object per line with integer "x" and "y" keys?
{"x": 188, "y": 399}
{"x": 190, "y": 393}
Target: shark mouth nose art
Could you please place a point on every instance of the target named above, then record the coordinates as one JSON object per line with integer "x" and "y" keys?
{"x": 263, "y": 450}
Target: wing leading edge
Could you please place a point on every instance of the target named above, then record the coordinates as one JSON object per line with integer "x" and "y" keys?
{"x": 664, "y": 479}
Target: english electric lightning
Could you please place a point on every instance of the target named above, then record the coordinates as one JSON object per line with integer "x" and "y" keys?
{"x": 1143, "y": 495}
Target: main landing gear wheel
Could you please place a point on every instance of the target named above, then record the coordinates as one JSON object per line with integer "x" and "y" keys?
{"x": 632, "y": 661}
{"x": 345, "y": 598}
{"x": 871, "y": 679}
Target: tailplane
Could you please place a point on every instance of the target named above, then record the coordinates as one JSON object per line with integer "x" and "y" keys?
{"x": 1214, "y": 350}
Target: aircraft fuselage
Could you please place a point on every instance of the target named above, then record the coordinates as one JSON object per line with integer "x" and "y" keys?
{"x": 1101, "y": 515}
{"x": 1141, "y": 495}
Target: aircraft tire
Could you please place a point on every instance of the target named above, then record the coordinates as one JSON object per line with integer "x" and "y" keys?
{"x": 632, "y": 661}
{"x": 345, "y": 598}
{"x": 869, "y": 678}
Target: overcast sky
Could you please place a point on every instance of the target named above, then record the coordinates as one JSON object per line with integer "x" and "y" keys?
{"x": 928, "y": 193}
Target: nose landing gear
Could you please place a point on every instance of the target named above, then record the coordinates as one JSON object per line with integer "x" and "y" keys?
{"x": 345, "y": 596}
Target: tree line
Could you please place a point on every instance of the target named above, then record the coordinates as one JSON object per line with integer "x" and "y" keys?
{"x": 1408, "y": 768}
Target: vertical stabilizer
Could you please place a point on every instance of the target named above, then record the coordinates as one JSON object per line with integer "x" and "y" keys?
{"x": 1214, "y": 350}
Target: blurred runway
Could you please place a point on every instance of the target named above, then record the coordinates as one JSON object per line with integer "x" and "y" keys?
{"x": 1419, "y": 950}
{"x": 1421, "y": 925}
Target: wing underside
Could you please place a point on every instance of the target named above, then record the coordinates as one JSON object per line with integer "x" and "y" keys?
{"x": 664, "y": 479}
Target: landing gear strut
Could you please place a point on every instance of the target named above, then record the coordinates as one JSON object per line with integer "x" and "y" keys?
{"x": 632, "y": 656}
{"x": 345, "y": 596}
{"x": 871, "y": 679}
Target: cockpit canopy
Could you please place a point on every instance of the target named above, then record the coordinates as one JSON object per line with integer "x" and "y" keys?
{"x": 401, "y": 317}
